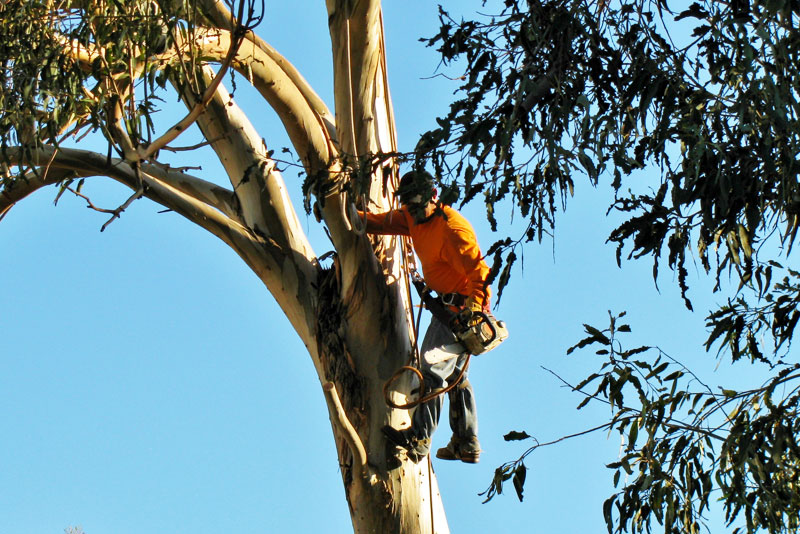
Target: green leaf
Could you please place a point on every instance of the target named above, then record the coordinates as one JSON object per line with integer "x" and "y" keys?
{"x": 597, "y": 334}
{"x": 634, "y": 433}
{"x": 607, "y": 506}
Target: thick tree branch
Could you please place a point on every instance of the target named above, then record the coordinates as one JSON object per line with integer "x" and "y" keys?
{"x": 220, "y": 16}
{"x": 260, "y": 199}
{"x": 308, "y": 122}
{"x": 362, "y": 104}
{"x": 310, "y": 137}
{"x": 265, "y": 207}
{"x": 206, "y": 192}
{"x": 63, "y": 163}
{"x": 364, "y": 122}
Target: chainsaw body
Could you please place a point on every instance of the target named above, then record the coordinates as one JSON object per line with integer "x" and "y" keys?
{"x": 478, "y": 332}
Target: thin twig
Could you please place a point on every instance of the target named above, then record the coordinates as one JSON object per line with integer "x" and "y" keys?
{"x": 189, "y": 148}
{"x": 117, "y": 212}
{"x": 89, "y": 202}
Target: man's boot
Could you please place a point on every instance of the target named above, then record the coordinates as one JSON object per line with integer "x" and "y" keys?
{"x": 468, "y": 451}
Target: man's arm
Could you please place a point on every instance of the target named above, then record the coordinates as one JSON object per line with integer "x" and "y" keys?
{"x": 388, "y": 223}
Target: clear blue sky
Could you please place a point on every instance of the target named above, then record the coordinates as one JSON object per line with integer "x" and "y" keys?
{"x": 148, "y": 383}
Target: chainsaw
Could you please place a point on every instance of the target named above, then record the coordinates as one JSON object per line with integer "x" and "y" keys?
{"x": 478, "y": 331}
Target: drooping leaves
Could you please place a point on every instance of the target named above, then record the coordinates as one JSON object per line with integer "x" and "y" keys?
{"x": 702, "y": 101}
{"x": 686, "y": 445}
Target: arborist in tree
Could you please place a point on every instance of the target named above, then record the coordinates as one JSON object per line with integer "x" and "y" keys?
{"x": 453, "y": 266}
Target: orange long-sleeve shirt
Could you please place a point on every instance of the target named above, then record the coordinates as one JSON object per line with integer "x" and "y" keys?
{"x": 447, "y": 249}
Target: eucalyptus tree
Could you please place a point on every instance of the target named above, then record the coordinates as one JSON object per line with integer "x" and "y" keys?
{"x": 101, "y": 68}
{"x": 691, "y": 113}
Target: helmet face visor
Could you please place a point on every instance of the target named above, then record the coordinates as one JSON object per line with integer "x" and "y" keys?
{"x": 415, "y": 184}
{"x": 415, "y": 206}
{"x": 415, "y": 192}
{"x": 409, "y": 200}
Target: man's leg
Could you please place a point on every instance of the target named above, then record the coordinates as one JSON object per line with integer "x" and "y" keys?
{"x": 439, "y": 354}
{"x": 463, "y": 410}
{"x": 426, "y": 415}
{"x": 464, "y": 443}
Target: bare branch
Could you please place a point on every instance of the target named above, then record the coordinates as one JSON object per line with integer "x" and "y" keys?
{"x": 89, "y": 203}
{"x": 115, "y": 213}
{"x": 200, "y": 105}
{"x": 350, "y": 434}
{"x": 66, "y": 163}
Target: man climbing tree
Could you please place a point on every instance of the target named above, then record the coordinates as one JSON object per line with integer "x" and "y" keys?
{"x": 453, "y": 266}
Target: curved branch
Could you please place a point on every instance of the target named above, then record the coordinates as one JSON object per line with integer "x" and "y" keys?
{"x": 309, "y": 134}
{"x": 350, "y": 434}
{"x": 305, "y": 117}
{"x": 26, "y": 184}
{"x": 264, "y": 206}
{"x": 257, "y": 184}
{"x": 221, "y": 17}
{"x": 257, "y": 252}
{"x": 289, "y": 274}
{"x": 177, "y": 189}
{"x": 199, "y": 106}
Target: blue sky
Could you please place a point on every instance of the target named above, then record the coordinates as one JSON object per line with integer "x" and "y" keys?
{"x": 148, "y": 382}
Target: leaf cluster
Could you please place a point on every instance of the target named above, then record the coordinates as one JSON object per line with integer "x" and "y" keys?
{"x": 515, "y": 471}
{"x": 742, "y": 328}
{"x": 40, "y": 82}
{"x": 93, "y": 65}
{"x": 685, "y": 446}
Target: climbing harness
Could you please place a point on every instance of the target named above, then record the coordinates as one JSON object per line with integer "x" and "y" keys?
{"x": 478, "y": 332}
{"x": 415, "y": 368}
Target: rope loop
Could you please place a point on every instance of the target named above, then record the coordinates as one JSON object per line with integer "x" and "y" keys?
{"x": 425, "y": 398}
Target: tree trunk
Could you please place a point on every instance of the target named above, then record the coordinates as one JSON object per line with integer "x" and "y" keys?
{"x": 378, "y": 337}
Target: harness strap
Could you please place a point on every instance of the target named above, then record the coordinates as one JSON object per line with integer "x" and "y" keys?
{"x": 438, "y": 306}
{"x": 453, "y": 299}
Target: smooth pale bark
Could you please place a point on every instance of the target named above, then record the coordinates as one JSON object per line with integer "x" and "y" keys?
{"x": 364, "y": 122}
{"x": 264, "y": 206}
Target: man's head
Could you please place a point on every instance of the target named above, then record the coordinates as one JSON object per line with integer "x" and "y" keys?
{"x": 416, "y": 192}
